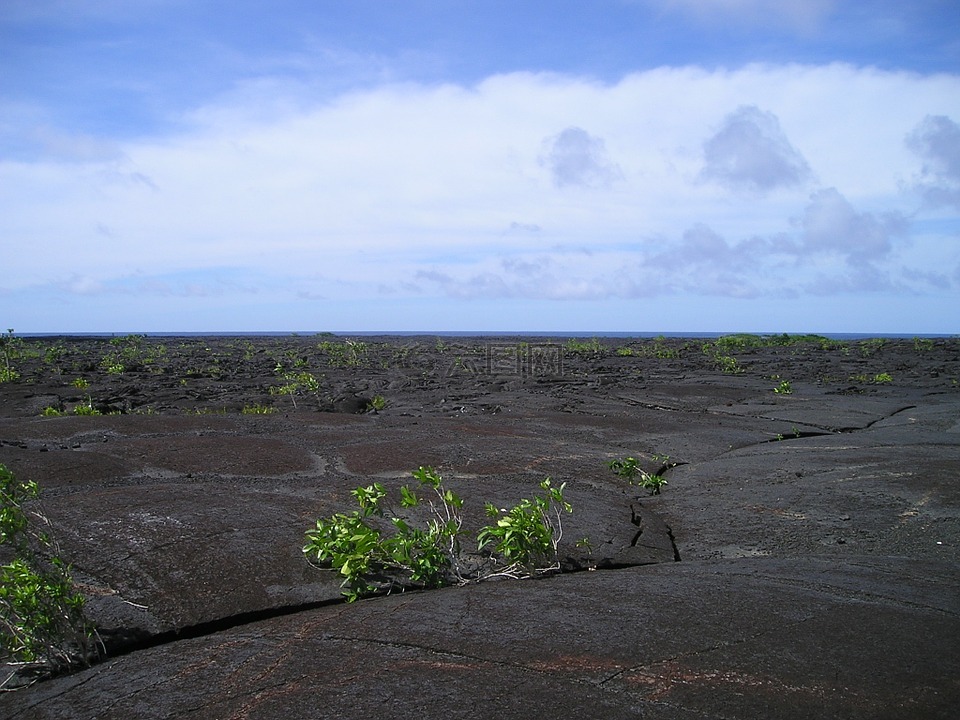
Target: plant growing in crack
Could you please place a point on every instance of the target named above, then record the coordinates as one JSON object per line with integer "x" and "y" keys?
{"x": 43, "y": 627}
{"x": 528, "y": 534}
{"x": 629, "y": 469}
{"x": 378, "y": 549}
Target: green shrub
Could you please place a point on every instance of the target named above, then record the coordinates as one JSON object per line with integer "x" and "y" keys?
{"x": 42, "y": 622}
{"x": 527, "y": 534}
{"x": 377, "y": 549}
{"x": 371, "y": 560}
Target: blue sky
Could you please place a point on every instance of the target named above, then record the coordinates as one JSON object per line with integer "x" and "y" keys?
{"x": 618, "y": 165}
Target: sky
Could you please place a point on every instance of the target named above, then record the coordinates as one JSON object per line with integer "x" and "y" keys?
{"x": 453, "y": 165}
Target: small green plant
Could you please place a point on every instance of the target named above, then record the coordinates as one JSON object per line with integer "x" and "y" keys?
{"x": 51, "y": 411}
{"x": 652, "y": 482}
{"x": 80, "y": 383}
{"x": 660, "y": 349}
{"x": 258, "y": 409}
{"x": 883, "y": 378}
{"x": 114, "y": 368}
{"x": 728, "y": 364}
{"x": 377, "y": 403}
{"x": 43, "y": 627}
{"x": 9, "y": 348}
{"x": 872, "y": 346}
{"x": 86, "y": 408}
{"x": 296, "y": 383}
{"x": 784, "y": 388}
{"x": 629, "y": 469}
{"x": 922, "y": 344}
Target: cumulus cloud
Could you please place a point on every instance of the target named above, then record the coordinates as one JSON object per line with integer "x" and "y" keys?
{"x": 830, "y": 248}
{"x": 832, "y": 225}
{"x": 751, "y": 152}
{"x": 937, "y": 141}
{"x": 575, "y": 157}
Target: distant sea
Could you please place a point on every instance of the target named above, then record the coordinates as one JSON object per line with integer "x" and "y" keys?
{"x": 477, "y": 333}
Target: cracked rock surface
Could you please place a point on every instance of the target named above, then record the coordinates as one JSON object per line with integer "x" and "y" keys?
{"x": 803, "y": 559}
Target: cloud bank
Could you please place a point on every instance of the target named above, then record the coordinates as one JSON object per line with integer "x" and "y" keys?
{"x": 769, "y": 181}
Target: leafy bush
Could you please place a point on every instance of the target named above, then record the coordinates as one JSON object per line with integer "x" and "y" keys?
{"x": 42, "y": 623}
{"x": 378, "y": 550}
{"x": 527, "y": 535}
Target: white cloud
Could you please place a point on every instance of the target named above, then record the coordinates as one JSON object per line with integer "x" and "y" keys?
{"x": 937, "y": 140}
{"x": 831, "y": 225}
{"x": 751, "y": 152}
{"x": 430, "y": 190}
{"x": 574, "y": 157}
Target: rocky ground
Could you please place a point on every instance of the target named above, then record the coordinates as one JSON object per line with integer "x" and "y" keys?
{"x": 803, "y": 559}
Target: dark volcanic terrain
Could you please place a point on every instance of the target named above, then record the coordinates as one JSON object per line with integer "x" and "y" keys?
{"x": 802, "y": 561}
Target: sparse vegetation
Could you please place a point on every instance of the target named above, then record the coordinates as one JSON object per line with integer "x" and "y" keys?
{"x": 258, "y": 409}
{"x": 349, "y": 353}
{"x": 872, "y": 346}
{"x": 585, "y": 348}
